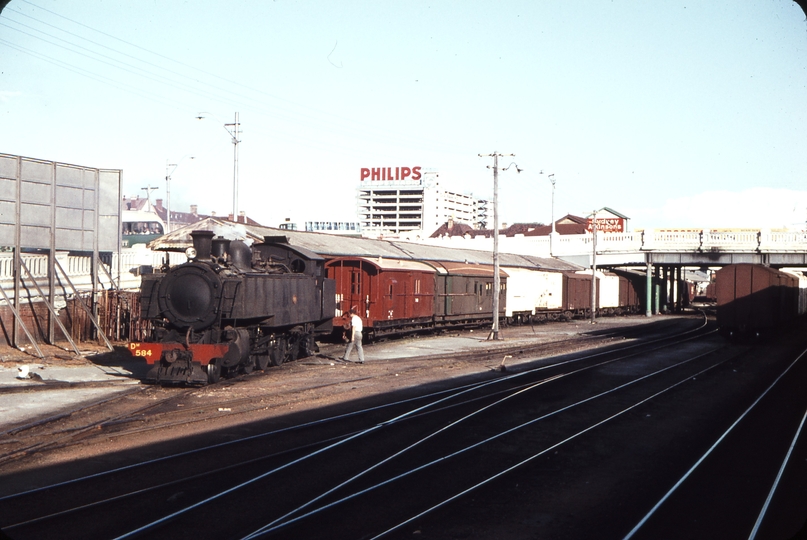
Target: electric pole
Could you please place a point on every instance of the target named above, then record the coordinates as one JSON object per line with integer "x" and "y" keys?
{"x": 148, "y": 191}
{"x": 234, "y": 132}
{"x": 494, "y": 332}
{"x": 593, "y": 266}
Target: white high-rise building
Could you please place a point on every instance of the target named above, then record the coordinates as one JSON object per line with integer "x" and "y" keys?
{"x": 416, "y": 204}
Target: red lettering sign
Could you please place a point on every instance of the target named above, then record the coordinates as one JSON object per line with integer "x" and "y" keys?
{"x": 390, "y": 173}
{"x": 608, "y": 225}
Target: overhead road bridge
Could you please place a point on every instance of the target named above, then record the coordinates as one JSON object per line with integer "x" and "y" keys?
{"x": 664, "y": 254}
{"x": 778, "y": 249}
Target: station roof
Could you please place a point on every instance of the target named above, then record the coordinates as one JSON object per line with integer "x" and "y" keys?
{"x": 329, "y": 245}
{"x": 391, "y": 264}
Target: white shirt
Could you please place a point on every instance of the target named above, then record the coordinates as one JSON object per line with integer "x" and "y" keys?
{"x": 355, "y": 323}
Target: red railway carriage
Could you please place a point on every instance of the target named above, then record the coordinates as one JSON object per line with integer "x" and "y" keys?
{"x": 754, "y": 299}
{"x": 403, "y": 296}
{"x": 391, "y": 295}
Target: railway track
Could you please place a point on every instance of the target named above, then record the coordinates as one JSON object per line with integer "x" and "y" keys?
{"x": 141, "y": 410}
{"x": 415, "y": 456}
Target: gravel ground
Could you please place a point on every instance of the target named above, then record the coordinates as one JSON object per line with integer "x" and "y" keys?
{"x": 303, "y": 387}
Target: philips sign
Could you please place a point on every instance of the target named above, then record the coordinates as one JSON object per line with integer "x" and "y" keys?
{"x": 390, "y": 173}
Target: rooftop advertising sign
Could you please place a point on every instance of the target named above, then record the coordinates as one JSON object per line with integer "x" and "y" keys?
{"x": 390, "y": 173}
{"x": 608, "y": 225}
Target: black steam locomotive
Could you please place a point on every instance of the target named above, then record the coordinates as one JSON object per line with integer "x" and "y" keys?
{"x": 232, "y": 309}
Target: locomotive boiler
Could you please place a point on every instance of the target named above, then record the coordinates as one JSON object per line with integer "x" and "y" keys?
{"x": 232, "y": 309}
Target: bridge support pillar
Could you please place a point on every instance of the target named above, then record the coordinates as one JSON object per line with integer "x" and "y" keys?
{"x": 656, "y": 289}
{"x": 648, "y": 292}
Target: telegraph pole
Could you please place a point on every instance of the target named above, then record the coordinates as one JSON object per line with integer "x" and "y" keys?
{"x": 233, "y": 130}
{"x": 235, "y": 126}
{"x": 494, "y": 332}
{"x": 148, "y": 191}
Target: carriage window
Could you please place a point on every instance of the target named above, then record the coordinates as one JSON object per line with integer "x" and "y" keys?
{"x": 390, "y": 291}
{"x": 355, "y": 282}
{"x": 417, "y": 286}
{"x": 142, "y": 227}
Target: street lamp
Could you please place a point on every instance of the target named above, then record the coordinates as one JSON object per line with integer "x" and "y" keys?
{"x": 593, "y": 266}
{"x": 233, "y": 130}
{"x": 494, "y": 332}
{"x": 552, "y": 234}
{"x": 168, "y": 187}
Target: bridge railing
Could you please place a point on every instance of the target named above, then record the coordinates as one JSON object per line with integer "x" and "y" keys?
{"x": 683, "y": 241}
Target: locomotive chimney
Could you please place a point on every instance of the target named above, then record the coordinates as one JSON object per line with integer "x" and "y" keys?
{"x": 221, "y": 246}
{"x": 201, "y": 243}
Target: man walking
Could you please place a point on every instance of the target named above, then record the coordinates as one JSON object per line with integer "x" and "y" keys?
{"x": 355, "y": 339}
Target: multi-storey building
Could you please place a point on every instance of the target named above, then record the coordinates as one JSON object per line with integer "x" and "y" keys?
{"x": 417, "y": 203}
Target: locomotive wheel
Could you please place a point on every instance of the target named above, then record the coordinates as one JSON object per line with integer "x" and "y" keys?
{"x": 261, "y": 361}
{"x": 293, "y": 351}
{"x": 278, "y": 352}
{"x": 214, "y": 371}
{"x": 308, "y": 347}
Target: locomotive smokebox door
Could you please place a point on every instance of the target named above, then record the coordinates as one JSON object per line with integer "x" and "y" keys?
{"x": 189, "y": 296}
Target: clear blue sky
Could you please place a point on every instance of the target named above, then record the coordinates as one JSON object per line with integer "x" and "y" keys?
{"x": 674, "y": 113}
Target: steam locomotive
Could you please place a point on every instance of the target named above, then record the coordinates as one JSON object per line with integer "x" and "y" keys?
{"x": 232, "y": 309}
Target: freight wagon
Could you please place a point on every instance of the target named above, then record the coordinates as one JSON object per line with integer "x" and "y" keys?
{"x": 754, "y": 299}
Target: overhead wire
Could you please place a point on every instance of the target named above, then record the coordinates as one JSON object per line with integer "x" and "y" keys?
{"x": 343, "y": 126}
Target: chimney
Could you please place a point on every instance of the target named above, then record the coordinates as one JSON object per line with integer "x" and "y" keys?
{"x": 450, "y": 223}
{"x": 159, "y": 205}
{"x": 194, "y": 209}
{"x": 242, "y": 216}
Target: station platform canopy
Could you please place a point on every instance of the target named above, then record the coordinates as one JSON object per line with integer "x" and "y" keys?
{"x": 329, "y": 245}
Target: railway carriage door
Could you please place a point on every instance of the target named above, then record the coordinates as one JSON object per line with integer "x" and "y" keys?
{"x": 390, "y": 309}
{"x": 351, "y": 284}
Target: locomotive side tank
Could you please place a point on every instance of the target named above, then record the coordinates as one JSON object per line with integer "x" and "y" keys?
{"x": 754, "y": 299}
{"x": 233, "y": 308}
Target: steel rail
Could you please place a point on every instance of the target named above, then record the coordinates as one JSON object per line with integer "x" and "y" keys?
{"x": 210, "y": 472}
{"x": 50, "y": 419}
{"x": 518, "y": 391}
{"x": 10, "y": 456}
{"x": 263, "y": 458}
{"x": 174, "y": 515}
{"x": 269, "y": 528}
{"x": 710, "y": 450}
{"x": 764, "y": 510}
{"x": 340, "y": 416}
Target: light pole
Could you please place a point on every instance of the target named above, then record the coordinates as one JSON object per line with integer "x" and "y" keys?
{"x": 494, "y": 332}
{"x": 593, "y": 266}
{"x": 168, "y": 188}
{"x": 233, "y": 130}
{"x": 552, "y": 234}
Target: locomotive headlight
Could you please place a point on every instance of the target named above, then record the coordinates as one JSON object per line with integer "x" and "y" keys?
{"x": 190, "y": 253}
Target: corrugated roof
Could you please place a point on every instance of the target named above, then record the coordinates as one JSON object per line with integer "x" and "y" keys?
{"x": 393, "y": 264}
{"x": 329, "y": 245}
